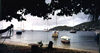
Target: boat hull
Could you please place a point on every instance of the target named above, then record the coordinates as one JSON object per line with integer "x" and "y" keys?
{"x": 65, "y": 41}
{"x": 55, "y": 36}
{"x": 73, "y": 31}
{"x": 19, "y": 32}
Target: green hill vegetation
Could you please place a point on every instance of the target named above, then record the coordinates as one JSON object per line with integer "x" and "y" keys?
{"x": 61, "y": 28}
{"x": 82, "y": 26}
{"x": 88, "y": 26}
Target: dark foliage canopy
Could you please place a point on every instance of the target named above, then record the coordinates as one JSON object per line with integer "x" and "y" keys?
{"x": 41, "y": 9}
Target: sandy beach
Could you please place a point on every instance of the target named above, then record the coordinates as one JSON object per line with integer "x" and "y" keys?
{"x": 26, "y": 48}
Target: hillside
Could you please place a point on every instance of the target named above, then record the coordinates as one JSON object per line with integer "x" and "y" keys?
{"x": 61, "y": 28}
{"x": 86, "y": 26}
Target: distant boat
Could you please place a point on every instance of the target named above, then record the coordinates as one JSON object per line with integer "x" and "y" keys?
{"x": 19, "y": 32}
{"x": 72, "y": 31}
{"x": 84, "y": 29}
{"x": 65, "y": 39}
{"x": 46, "y": 30}
{"x": 55, "y": 34}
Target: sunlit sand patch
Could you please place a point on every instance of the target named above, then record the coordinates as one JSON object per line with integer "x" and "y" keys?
{"x": 14, "y": 43}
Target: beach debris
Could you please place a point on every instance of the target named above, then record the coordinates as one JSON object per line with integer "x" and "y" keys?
{"x": 40, "y": 44}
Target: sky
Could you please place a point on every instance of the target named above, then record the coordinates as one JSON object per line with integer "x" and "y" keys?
{"x": 37, "y": 23}
{"x": 47, "y": 1}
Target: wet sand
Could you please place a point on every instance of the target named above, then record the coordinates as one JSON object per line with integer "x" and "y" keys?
{"x": 26, "y": 48}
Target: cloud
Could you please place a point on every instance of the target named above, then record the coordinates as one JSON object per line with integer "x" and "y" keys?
{"x": 68, "y": 20}
{"x": 36, "y": 23}
{"x": 47, "y": 1}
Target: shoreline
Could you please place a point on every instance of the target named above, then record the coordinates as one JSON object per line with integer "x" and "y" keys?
{"x": 28, "y": 46}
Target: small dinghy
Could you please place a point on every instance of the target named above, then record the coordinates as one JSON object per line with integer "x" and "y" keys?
{"x": 65, "y": 39}
{"x": 55, "y": 34}
{"x": 19, "y": 32}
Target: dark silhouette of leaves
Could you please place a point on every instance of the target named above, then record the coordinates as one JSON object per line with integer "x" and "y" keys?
{"x": 41, "y": 9}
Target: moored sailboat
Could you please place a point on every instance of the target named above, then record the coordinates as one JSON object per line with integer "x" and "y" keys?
{"x": 55, "y": 34}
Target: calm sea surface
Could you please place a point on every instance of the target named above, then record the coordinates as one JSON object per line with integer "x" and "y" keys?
{"x": 79, "y": 40}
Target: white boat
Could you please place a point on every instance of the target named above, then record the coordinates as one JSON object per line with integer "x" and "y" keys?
{"x": 65, "y": 39}
{"x": 72, "y": 31}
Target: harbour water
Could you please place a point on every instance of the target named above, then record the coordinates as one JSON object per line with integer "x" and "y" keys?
{"x": 80, "y": 40}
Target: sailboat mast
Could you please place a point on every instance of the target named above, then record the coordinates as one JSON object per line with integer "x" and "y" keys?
{"x": 32, "y": 26}
{"x": 73, "y": 22}
{"x": 47, "y": 24}
{"x": 56, "y": 20}
{"x": 23, "y": 25}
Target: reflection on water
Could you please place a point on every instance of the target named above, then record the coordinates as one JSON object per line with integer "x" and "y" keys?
{"x": 18, "y": 37}
{"x": 80, "y": 40}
